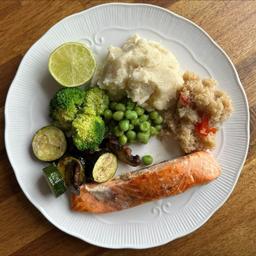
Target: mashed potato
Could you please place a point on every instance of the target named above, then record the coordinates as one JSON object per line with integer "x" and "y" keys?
{"x": 200, "y": 109}
{"x": 144, "y": 71}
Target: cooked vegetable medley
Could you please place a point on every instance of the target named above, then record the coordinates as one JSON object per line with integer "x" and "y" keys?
{"x": 86, "y": 117}
{"x": 89, "y": 132}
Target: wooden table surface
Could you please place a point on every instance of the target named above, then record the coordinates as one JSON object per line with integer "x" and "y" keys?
{"x": 231, "y": 231}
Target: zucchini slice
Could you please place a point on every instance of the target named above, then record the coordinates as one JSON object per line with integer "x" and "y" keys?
{"x": 104, "y": 168}
{"x": 49, "y": 143}
{"x": 72, "y": 171}
{"x": 54, "y": 180}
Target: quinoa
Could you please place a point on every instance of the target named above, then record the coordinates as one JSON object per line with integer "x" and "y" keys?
{"x": 199, "y": 111}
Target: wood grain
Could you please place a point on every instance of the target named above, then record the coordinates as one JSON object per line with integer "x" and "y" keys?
{"x": 231, "y": 231}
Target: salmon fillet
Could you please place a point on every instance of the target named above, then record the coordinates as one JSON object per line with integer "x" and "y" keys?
{"x": 151, "y": 183}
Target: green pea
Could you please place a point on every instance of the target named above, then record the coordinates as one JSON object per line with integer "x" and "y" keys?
{"x": 118, "y": 115}
{"x": 113, "y": 105}
{"x": 144, "y": 126}
{"x": 122, "y": 139}
{"x": 153, "y": 115}
{"x": 139, "y": 110}
{"x": 153, "y": 131}
{"x": 158, "y": 127}
{"x": 159, "y": 120}
{"x": 130, "y": 105}
{"x": 131, "y": 135}
{"x": 131, "y": 126}
{"x": 135, "y": 122}
{"x": 118, "y": 132}
{"x": 108, "y": 114}
{"x": 129, "y": 114}
{"x": 143, "y": 137}
{"x": 120, "y": 107}
{"x": 143, "y": 118}
{"x": 147, "y": 160}
{"x": 124, "y": 125}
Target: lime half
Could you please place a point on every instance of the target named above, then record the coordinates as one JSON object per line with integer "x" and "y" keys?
{"x": 72, "y": 64}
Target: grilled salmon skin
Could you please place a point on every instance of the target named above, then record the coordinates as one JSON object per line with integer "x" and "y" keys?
{"x": 155, "y": 182}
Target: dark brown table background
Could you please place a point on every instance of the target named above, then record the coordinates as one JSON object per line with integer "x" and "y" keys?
{"x": 231, "y": 231}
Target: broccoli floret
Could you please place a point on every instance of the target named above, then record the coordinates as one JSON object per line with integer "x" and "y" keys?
{"x": 87, "y": 131}
{"x": 96, "y": 101}
{"x": 65, "y": 105}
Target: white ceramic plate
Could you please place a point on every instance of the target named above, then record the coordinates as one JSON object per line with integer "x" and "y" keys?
{"x": 26, "y": 110}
